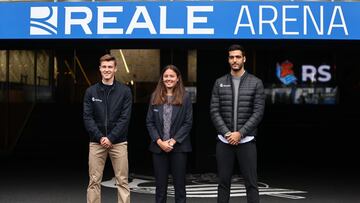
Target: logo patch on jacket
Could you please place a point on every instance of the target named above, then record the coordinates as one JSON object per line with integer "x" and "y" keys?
{"x": 96, "y": 100}
{"x": 222, "y": 85}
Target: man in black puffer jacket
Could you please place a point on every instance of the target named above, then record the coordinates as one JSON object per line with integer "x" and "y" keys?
{"x": 107, "y": 109}
{"x": 237, "y": 107}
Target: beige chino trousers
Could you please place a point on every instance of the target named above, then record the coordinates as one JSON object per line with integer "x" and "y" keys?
{"x": 119, "y": 159}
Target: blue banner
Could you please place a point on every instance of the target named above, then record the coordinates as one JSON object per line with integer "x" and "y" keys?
{"x": 180, "y": 20}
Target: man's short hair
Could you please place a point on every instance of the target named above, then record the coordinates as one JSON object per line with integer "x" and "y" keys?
{"x": 107, "y": 57}
{"x": 235, "y": 47}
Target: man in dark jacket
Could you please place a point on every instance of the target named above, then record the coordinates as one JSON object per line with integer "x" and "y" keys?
{"x": 107, "y": 109}
{"x": 236, "y": 108}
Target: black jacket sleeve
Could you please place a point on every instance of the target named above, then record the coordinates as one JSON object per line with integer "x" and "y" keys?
{"x": 215, "y": 111}
{"x": 258, "y": 111}
{"x": 124, "y": 118}
{"x": 185, "y": 128}
{"x": 150, "y": 123}
{"x": 88, "y": 116}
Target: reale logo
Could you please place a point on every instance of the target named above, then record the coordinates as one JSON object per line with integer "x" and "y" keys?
{"x": 285, "y": 73}
{"x": 43, "y": 20}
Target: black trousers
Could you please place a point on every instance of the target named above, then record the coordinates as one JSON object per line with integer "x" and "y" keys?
{"x": 176, "y": 163}
{"x": 246, "y": 156}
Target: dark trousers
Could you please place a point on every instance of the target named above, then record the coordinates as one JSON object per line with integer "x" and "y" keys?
{"x": 246, "y": 156}
{"x": 163, "y": 163}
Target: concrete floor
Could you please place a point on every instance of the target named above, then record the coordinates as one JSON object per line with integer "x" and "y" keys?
{"x": 61, "y": 181}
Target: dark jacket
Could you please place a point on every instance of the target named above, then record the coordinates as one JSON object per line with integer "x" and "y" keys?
{"x": 251, "y": 103}
{"x": 107, "y": 115}
{"x": 181, "y": 122}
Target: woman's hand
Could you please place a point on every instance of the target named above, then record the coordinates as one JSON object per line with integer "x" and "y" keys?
{"x": 164, "y": 145}
{"x": 172, "y": 142}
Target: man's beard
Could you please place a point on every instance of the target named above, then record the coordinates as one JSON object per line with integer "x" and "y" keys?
{"x": 236, "y": 69}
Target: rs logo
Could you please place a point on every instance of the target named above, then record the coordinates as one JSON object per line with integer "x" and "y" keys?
{"x": 43, "y": 20}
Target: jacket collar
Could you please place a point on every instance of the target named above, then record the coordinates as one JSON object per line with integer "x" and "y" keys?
{"x": 243, "y": 77}
{"x": 229, "y": 76}
{"x": 101, "y": 87}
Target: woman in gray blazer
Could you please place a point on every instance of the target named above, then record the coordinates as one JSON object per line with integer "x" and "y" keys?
{"x": 169, "y": 121}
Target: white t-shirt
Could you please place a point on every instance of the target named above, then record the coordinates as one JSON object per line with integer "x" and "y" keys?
{"x": 244, "y": 140}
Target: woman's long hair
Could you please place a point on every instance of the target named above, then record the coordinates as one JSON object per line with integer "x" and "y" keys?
{"x": 159, "y": 95}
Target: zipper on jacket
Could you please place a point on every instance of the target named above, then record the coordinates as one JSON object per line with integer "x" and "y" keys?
{"x": 233, "y": 103}
{"x": 106, "y": 111}
{"x": 233, "y": 97}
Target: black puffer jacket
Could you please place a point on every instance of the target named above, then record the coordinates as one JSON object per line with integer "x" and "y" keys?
{"x": 251, "y": 103}
{"x": 107, "y": 115}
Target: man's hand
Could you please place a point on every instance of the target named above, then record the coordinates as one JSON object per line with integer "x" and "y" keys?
{"x": 164, "y": 145}
{"x": 234, "y": 138}
{"x": 105, "y": 142}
